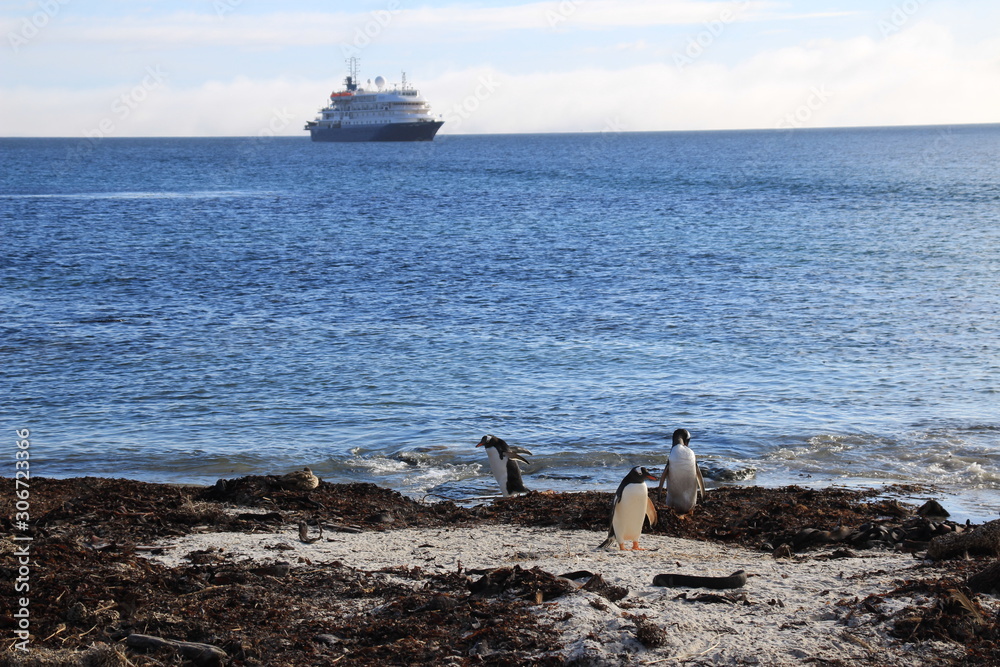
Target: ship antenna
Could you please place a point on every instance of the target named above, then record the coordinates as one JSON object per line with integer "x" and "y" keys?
{"x": 353, "y": 65}
{"x": 404, "y": 81}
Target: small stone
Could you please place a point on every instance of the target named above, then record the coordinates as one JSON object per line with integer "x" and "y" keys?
{"x": 933, "y": 508}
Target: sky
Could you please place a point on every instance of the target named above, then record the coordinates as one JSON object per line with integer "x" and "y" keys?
{"x": 96, "y": 68}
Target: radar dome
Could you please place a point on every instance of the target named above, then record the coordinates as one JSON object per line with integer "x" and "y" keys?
{"x": 379, "y": 82}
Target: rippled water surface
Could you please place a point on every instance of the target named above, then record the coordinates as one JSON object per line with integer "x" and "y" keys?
{"x": 817, "y": 307}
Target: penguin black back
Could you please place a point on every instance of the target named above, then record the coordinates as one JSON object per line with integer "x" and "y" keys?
{"x": 503, "y": 462}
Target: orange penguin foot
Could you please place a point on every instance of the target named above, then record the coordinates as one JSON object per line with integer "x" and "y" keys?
{"x": 636, "y": 547}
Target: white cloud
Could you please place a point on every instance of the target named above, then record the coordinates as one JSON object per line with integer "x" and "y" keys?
{"x": 920, "y": 75}
{"x": 242, "y": 107}
{"x": 454, "y": 22}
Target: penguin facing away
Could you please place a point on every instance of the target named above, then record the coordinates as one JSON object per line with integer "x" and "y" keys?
{"x": 682, "y": 475}
{"x": 631, "y": 507}
{"x": 503, "y": 462}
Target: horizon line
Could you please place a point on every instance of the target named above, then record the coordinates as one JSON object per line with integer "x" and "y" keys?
{"x": 556, "y": 132}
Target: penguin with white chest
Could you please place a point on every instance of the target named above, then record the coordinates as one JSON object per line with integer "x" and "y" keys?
{"x": 503, "y": 462}
{"x": 682, "y": 475}
{"x": 631, "y": 507}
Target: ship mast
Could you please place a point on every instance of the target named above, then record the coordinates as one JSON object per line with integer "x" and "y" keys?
{"x": 351, "y": 82}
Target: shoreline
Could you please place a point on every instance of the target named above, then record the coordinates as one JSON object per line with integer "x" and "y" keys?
{"x": 358, "y": 575}
{"x": 968, "y": 504}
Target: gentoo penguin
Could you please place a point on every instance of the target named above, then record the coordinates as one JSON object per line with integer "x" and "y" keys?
{"x": 682, "y": 475}
{"x": 300, "y": 480}
{"x": 503, "y": 459}
{"x": 632, "y": 505}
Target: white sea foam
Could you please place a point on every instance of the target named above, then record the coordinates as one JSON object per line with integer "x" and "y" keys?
{"x": 204, "y": 194}
{"x": 411, "y": 472}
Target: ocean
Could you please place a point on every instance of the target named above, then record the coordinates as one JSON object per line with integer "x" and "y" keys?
{"x": 818, "y": 307}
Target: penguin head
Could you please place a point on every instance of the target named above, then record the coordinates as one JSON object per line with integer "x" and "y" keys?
{"x": 638, "y": 475}
{"x": 681, "y": 437}
{"x": 492, "y": 441}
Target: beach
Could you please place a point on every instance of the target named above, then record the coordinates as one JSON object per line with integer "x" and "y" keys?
{"x": 361, "y": 575}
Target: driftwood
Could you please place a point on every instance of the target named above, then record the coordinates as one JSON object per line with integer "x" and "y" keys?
{"x": 202, "y": 655}
{"x": 737, "y": 579}
{"x": 984, "y": 540}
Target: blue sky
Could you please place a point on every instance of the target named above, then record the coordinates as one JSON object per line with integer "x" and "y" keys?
{"x": 245, "y": 67}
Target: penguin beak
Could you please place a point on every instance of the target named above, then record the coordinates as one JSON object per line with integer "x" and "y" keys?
{"x": 651, "y": 476}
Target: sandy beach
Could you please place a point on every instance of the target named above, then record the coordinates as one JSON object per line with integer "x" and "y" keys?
{"x": 359, "y": 575}
{"x": 791, "y": 611}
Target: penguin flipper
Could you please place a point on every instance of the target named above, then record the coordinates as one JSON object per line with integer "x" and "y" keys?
{"x": 520, "y": 450}
{"x": 650, "y": 512}
{"x": 514, "y": 456}
{"x": 608, "y": 542}
{"x": 701, "y": 481}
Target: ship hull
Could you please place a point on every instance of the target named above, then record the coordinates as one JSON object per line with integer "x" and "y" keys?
{"x": 418, "y": 131}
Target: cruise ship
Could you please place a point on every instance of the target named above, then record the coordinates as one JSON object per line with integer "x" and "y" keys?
{"x": 358, "y": 114}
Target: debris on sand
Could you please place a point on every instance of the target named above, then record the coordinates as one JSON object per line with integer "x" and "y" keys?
{"x": 94, "y": 584}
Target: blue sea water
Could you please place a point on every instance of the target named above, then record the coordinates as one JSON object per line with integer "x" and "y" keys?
{"x": 817, "y": 307}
